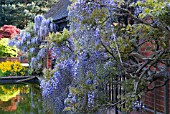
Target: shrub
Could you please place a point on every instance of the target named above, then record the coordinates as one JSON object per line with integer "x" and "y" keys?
{"x": 8, "y": 31}
{"x": 10, "y": 68}
{"x": 7, "y": 51}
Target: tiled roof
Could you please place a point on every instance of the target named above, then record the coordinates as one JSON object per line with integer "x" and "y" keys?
{"x": 59, "y": 10}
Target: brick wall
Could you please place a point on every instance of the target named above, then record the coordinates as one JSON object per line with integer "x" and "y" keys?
{"x": 155, "y": 97}
{"x": 3, "y": 59}
{"x": 159, "y": 95}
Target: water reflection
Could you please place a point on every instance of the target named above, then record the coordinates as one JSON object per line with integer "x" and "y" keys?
{"x": 21, "y": 99}
{"x": 11, "y": 104}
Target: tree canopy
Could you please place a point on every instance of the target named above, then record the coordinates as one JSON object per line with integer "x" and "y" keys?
{"x": 20, "y": 12}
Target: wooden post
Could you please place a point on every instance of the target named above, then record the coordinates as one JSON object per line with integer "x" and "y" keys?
{"x": 154, "y": 98}
{"x": 166, "y": 94}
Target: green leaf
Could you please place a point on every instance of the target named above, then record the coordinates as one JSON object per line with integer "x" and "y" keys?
{"x": 65, "y": 34}
{"x": 67, "y": 109}
{"x": 138, "y": 3}
{"x": 147, "y": 10}
{"x": 73, "y": 90}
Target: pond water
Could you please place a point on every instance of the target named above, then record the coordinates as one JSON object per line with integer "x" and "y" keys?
{"x": 21, "y": 99}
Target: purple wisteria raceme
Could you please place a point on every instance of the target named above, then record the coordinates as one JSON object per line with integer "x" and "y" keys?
{"x": 37, "y": 20}
{"x": 86, "y": 32}
{"x": 41, "y": 32}
{"x": 23, "y": 39}
{"x": 32, "y": 50}
{"x": 33, "y": 62}
{"x": 24, "y": 49}
{"x": 22, "y": 33}
{"x": 19, "y": 44}
{"x": 11, "y": 42}
{"x": 37, "y": 40}
{"x": 108, "y": 2}
{"x": 39, "y": 65}
{"x": 89, "y": 81}
{"x": 138, "y": 10}
{"x": 43, "y": 26}
{"x": 53, "y": 89}
{"x": 51, "y": 27}
{"x": 28, "y": 36}
{"x": 33, "y": 41}
{"x": 42, "y": 53}
{"x": 97, "y": 36}
{"x": 28, "y": 43}
{"x": 46, "y": 22}
{"x": 55, "y": 27}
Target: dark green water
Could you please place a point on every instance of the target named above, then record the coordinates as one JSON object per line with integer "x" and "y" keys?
{"x": 21, "y": 99}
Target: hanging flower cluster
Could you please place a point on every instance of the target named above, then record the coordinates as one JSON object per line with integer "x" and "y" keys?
{"x": 87, "y": 58}
{"x": 33, "y": 42}
{"x": 81, "y": 59}
{"x": 54, "y": 89}
{"x": 43, "y": 26}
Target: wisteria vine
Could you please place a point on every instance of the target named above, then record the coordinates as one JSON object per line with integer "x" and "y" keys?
{"x": 88, "y": 58}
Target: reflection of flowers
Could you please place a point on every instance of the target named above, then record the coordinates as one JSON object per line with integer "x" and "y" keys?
{"x": 12, "y": 68}
{"x": 8, "y": 92}
{"x": 7, "y": 96}
{"x": 10, "y": 105}
{"x": 10, "y": 96}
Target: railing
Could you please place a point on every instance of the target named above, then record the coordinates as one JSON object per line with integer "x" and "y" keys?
{"x": 156, "y": 101}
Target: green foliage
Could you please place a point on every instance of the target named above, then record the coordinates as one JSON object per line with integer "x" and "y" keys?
{"x": 48, "y": 73}
{"x": 1, "y": 74}
{"x": 154, "y": 8}
{"x": 98, "y": 16}
{"x": 21, "y": 12}
{"x": 58, "y": 37}
{"x": 140, "y": 41}
{"x": 7, "y": 51}
{"x": 125, "y": 46}
{"x": 136, "y": 51}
